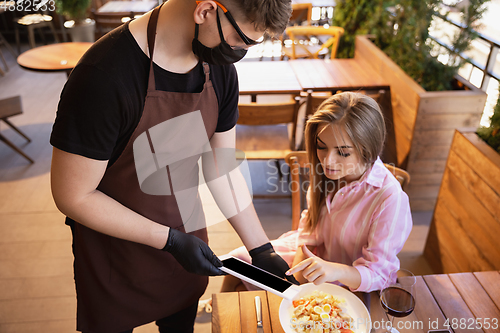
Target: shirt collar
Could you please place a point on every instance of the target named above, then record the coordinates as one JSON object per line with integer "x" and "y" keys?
{"x": 376, "y": 174}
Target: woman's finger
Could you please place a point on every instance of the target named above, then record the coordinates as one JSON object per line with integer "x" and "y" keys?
{"x": 300, "y": 266}
{"x": 313, "y": 276}
{"x": 308, "y": 252}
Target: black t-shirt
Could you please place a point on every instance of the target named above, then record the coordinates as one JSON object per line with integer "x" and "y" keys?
{"x": 103, "y": 99}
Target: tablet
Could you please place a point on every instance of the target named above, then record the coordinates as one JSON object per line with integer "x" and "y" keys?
{"x": 258, "y": 277}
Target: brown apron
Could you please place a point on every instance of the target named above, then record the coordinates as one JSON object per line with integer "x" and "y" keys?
{"x": 122, "y": 284}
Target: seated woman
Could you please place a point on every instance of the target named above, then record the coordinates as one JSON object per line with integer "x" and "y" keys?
{"x": 358, "y": 217}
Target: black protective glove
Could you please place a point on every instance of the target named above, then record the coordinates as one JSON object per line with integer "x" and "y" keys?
{"x": 192, "y": 253}
{"x": 264, "y": 257}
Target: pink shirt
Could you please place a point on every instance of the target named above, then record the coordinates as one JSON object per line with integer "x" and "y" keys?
{"x": 364, "y": 225}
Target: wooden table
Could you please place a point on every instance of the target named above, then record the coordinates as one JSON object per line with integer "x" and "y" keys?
{"x": 464, "y": 300}
{"x": 126, "y": 7}
{"x": 293, "y": 76}
{"x": 336, "y": 74}
{"x": 266, "y": 77}
{"x": 59, "y": 57}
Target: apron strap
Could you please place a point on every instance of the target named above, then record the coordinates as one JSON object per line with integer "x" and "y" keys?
{"x": 153, "y": 22}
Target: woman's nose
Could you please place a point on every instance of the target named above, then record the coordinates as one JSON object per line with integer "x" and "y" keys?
{"x": 331, "y": 157}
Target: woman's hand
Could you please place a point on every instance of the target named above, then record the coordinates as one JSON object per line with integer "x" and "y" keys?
{"x": 318, "y": 271}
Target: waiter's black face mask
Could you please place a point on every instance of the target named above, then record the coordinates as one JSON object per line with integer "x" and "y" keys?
{"x": 222, "y": 54}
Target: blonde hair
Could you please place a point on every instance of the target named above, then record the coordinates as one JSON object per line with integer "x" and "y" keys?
{"x": 361, "y": 118}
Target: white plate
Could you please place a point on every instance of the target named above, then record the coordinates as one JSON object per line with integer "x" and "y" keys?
{"x": 353, "y": 306}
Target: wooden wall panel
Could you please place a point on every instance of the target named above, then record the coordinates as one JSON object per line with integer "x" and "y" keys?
{"x": 464, "y": 230}
{"x": 424, "y": 122}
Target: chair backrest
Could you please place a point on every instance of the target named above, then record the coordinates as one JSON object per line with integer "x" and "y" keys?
{"x": 299, "y": 164}
{"x": 401, "y": 175}
{"x": 105, "y": 22}
{"x": 258, "y": 114}
{"x": 301, "y": 12}
{"x": 333, "y": 42}
{"x": 314, "y": 99}
{"x": 10, "y": 107}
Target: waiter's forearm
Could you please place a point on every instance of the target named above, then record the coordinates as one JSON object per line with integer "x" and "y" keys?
{"x": 101, "y": 213}
{"x": 248, "y": 227}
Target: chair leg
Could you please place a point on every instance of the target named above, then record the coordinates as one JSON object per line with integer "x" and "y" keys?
{"x": 367, "y": 300}
{"x": 18, "y": 40}
{"x": 11, "y": 50}
{"x": 11, "y": 145}
{"x": 279, "y": 169}
{"x": 51, "y": 26}
{"x": 31, "y": 36}
{"x": 16, "y": 129}
{"x": 4, "y": 62}
{"x": 42, "y": 35}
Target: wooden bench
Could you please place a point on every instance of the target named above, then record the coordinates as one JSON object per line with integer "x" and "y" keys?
{"x": 423, "y": 122}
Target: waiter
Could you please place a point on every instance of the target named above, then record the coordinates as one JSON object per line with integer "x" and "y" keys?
{"x": 140, "y": 108}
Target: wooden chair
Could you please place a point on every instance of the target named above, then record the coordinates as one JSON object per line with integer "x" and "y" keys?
{"x": 298, "y": 163}
{"x": 3, "y": 41}
{"x": 11, "y": 107}
{"x": 301, "y": 12}
{"x": 299, "y": 166}
{"x": 32, "y": 22}
{"x": 262, "y": 129}
{"x": 303, "y": 45}
{"x": 401, "y": 175}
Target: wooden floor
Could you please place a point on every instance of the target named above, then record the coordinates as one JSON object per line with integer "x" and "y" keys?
{"x": 36, "y": 278}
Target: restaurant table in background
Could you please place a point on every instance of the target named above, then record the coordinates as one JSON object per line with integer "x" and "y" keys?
{"x": 266, "y": 77}
{"x": 467, "y": 302}
{"x": 127, "y": 7}
{"x": 336, "y": 74}
{"x": 294, "y": 76}
{"x": 60, "y": 57}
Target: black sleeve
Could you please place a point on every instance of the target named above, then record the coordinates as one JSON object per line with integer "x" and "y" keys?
{"x": 226, "y": 82}
{"x": 90, "y": 114}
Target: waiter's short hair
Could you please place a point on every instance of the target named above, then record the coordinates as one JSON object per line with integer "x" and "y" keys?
{"x": 271, "y": 16}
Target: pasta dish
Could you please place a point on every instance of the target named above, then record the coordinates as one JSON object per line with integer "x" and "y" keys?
{"x": 320, "y": 312}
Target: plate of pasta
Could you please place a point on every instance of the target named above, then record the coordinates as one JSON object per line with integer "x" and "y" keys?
{"x": 325, "y": 308}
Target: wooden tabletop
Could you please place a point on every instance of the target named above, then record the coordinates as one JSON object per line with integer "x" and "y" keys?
{"x": 267, "y": 77}
{"x": 336, "y": 74}
{"x": 54, "y": 57}
{"x": 467, "y": 302}
{"x": 139, "y": 7}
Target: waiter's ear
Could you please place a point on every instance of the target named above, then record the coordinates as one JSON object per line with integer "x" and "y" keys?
{"x": 203, "y": 10}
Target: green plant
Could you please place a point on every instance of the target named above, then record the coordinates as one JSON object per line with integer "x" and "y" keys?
{"x": 401, "y": 29}
{"x": 491, "y": 134}
{"x": 357, "y": 17}
{"x": 73, "y": 9}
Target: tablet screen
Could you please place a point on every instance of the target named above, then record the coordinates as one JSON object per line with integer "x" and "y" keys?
{"x": 256, "y": 274}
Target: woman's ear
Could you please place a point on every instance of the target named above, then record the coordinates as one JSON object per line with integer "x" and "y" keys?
{"x": 203, "y": 10}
